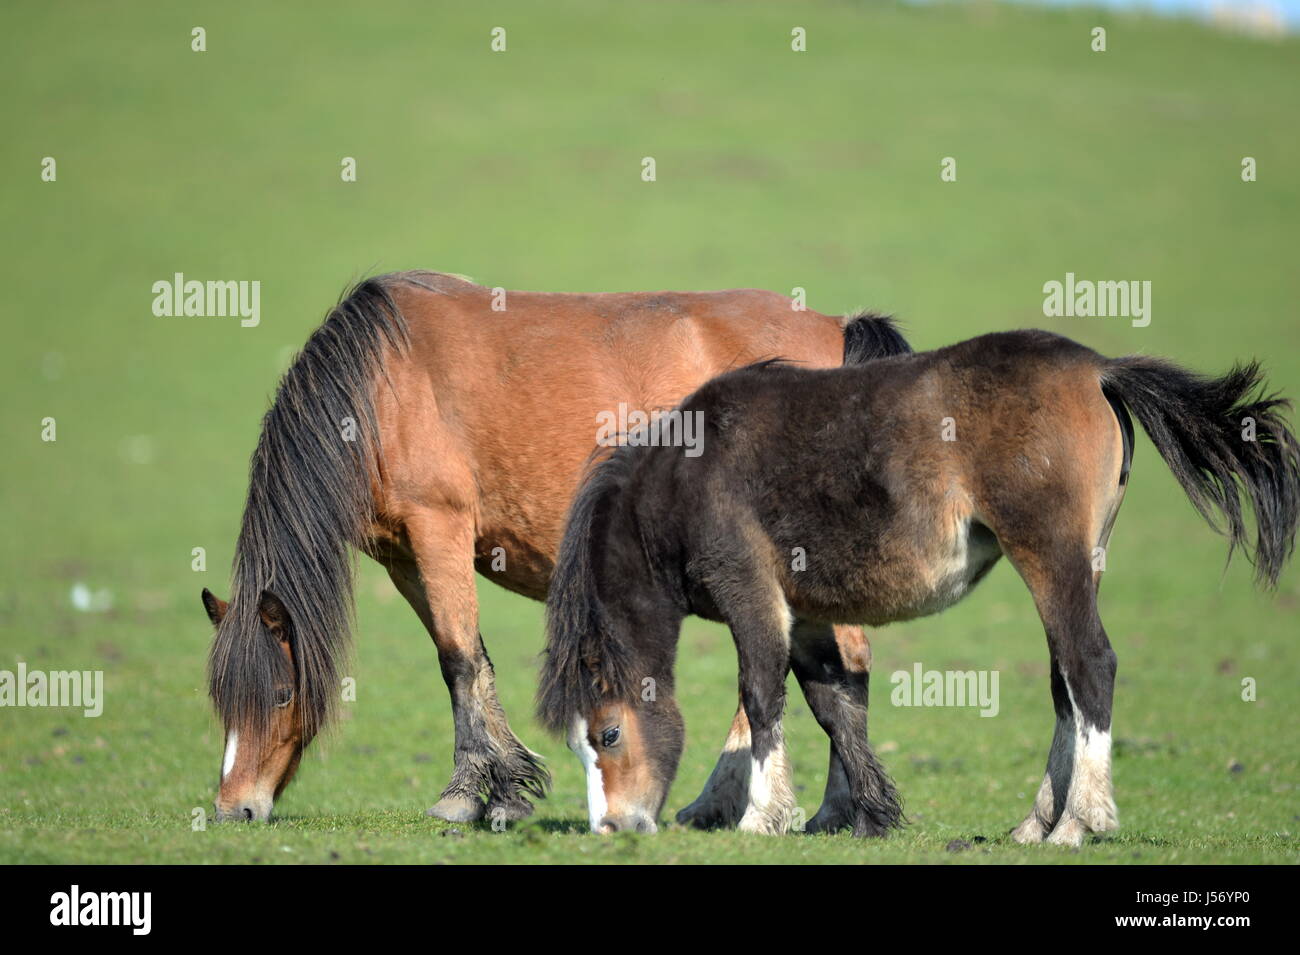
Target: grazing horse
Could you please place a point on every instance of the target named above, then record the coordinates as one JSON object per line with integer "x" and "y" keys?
{"x": 898, "y": 484}
{"x": 441, "y": 427}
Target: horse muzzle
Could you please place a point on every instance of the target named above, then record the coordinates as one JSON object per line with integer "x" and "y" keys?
{"x": 627, "y": 822}
{"x": 245, "y": 810}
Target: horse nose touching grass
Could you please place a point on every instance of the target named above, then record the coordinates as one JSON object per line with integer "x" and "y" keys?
{"x": 245, "y": 812}
{"x": 638, "y": 823}
{"x": 254, "y": 775}
{"x": 261, "y": 755}
{"x": 256, "y": 769}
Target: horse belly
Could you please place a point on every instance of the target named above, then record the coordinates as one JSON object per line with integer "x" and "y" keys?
{"x": 905, "y": 580}
{"x": 516, "y": 560}
{"x": 955, "y": 569}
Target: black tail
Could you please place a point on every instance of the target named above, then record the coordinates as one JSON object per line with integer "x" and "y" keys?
{"x": 1221, "y": 437}
{"x": 868, "y": 336}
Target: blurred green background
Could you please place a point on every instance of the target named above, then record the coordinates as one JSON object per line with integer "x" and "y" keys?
{"x": 775, "y": 169}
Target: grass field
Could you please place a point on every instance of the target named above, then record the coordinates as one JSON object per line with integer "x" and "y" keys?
{"x": 522, "y": 169}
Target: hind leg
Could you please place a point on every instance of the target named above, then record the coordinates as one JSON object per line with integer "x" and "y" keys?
{"x": 489, "y": 759}
{"x": 722, "y": 801}
{"x": 1053, "y": 792}
{"x": 1064, "y": 591}
{"x": 1050, "y": 801}
{"x": 838, "y": 809}
{"x": 833, "y": 674}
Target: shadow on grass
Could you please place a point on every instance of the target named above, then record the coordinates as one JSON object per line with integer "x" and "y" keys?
{"x": 568, "y": 827}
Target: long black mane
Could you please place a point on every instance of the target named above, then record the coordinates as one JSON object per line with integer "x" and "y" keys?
{"x": 309, "y": 499}
{"x": 587, "y": 659}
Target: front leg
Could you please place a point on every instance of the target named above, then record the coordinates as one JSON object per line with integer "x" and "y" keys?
{"x": 725, "y": 796}
{"x": 771, "y": 806}
{"x": 489, "y": 760}
{"x": 762, "y": 635}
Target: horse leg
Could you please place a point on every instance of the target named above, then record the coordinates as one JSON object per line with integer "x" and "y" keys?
{"x": 829, "y": 664}
{"x": 489, "y": 759}
{"x": 1050, "y": 800}
{"x": 1052, "y": 792}
{"x": 722, "y": 801}
{"x": 761, "y": 629}
{"x": 1083, "y": 672}
{"x": 855, "y": 658}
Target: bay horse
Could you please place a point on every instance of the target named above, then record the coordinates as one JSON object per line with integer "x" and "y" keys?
{"x": 896, "y": 485}
{"x": 440, "y": 427}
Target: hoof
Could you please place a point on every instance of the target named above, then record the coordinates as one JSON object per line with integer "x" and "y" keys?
{"x": 828, "y": 821}
{"x": 861, "y": 821}
{"x": 457, "y": 809}
{"x": 1030, "y": 832}
{"x": 508, "y": 810}
{"x": 762, "y": 824}
{"x": 869, "y": 828}
{"x": 1073, "y": 827}
{"x": 1069, "y": 831}
{"x": 706, "y": 816}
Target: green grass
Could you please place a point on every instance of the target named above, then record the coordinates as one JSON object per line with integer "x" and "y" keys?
{"x": 775, "y": 170}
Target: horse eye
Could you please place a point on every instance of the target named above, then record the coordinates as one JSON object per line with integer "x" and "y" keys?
{"x": 282, "y": 697}
{"x": 609, "y": 737}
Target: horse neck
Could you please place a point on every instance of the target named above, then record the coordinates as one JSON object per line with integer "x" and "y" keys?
{"x": 645, "y": 610}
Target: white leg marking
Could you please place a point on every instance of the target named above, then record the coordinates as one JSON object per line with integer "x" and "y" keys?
{"x": 771, "y": 792}
{"x": 1095, "y": 803}
{"x": 737, "y": 738}
{"x": 1090, "y": 805}
{"x": 771, "y": 797}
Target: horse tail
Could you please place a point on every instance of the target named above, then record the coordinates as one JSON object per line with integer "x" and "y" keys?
{"x": 1224, "y": 439}
{"x": 868, "y": 336}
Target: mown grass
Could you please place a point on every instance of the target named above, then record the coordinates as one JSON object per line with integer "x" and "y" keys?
{"x": 775, "y": 170}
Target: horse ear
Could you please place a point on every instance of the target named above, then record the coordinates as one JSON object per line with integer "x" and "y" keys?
{"x": 274, "y": 614}
{"x": 215, "y": 606}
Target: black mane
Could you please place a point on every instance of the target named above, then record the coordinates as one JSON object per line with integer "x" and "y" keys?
{"x": 309, "y": 498}
{"x": 586, "y": 658}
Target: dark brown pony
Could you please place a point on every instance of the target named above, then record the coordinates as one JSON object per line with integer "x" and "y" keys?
{"x": 877, "y": 493}
{"x": 440, "y": 427}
